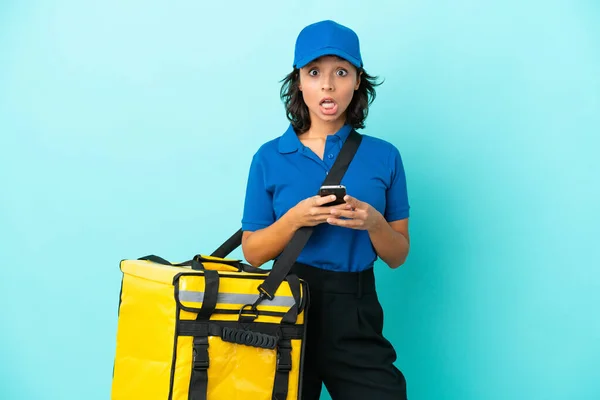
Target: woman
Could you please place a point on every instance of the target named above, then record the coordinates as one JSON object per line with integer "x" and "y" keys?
{"x": 326, "y": 96}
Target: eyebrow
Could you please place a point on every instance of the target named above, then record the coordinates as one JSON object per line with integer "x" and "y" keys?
{"x": 341, "y": 64}
{"x": 337, "y": 59}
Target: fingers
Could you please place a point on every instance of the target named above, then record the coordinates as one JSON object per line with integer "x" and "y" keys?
{"x": 351, "y": 214}
{"x": 352, "y": 201}
{"x": 319, "y": 219}
{"x": 320, "y": 200}
{"x": 327, "y": 209}
{"x": 348, "y": 223}
{"x": 344, "y": 206}
{"x": 319, "y": 212}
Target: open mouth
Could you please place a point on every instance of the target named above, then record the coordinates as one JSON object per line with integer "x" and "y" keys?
{"x": 328, "y": 104}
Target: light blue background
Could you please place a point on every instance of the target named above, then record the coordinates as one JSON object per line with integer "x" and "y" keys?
{"x": 127, "y": 128}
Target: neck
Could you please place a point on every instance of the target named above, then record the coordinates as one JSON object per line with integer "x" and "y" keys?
{"x": 322, "y": 129}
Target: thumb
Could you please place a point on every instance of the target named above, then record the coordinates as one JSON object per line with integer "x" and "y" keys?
{"x": 355, "y": 203}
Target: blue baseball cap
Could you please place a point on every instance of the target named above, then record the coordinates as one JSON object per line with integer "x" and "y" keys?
{"x": 327, "y": 38}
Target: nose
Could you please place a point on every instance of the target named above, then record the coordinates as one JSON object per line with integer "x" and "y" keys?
{"x": 327, "y": 84}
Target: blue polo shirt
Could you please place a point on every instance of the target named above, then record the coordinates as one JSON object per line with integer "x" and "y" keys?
{"x": 284, "y": 172}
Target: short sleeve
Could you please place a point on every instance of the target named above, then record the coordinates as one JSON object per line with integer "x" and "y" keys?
{"x": 258, "y": 205}
{"x": 397, "y": 205}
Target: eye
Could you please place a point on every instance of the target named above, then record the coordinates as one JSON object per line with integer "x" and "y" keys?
{"x": 313, "y": 72}
{"x": 342, "y": 72}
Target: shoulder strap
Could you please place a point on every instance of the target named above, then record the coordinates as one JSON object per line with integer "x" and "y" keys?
{"x": 283, "y": 265}
{"x": 334, "y": 177}
{"x": 229, "y": 245}
{"x": 286, "y": 260}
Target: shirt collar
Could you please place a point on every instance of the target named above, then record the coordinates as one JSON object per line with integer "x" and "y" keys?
{"x": 289, "y": 142}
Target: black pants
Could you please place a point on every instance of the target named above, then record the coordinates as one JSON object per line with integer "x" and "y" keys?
{"x": 345, "y": 348}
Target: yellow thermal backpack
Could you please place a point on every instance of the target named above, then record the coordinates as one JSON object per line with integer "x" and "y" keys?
{"x": 214, "y": 328}
{"x": 202, "y": 330}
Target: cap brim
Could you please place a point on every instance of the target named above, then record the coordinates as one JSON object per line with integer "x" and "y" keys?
{"x": 328, "y": 52}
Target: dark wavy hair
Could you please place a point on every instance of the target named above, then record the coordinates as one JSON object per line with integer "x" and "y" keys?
{"x": 356, "y": 113}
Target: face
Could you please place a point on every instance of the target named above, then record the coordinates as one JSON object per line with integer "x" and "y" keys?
{"x": 327, "y": 85}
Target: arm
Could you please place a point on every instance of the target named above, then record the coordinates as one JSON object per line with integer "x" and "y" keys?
{"x": 264, "y": 236}
{"x": 391, "y": 240}
{"x": 266, "y": 244}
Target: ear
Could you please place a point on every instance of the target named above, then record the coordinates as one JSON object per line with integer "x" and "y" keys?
{"x": 358, "y": 80}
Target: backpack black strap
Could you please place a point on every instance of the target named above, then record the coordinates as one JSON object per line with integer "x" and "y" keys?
{"x": 279, "y": 272}
{"x": 334, "y": 177}
{"x": 283, "y": 367}
{"x": 290, "y": 253}
{"x": 286, "y": 260}
{"x": 229, "y": 245}
{"x": 200, "y": 363}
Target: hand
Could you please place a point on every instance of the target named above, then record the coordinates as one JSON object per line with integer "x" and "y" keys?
{"x": 360, "y": 215}
{"x": 312, "y": 211}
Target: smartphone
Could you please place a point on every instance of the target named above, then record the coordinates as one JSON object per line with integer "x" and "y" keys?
{"x": 338, "y": 190}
